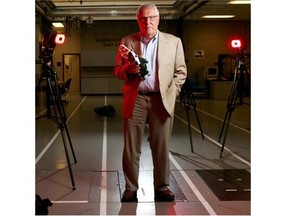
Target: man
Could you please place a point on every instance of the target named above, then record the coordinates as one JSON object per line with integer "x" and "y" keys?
{"x": 149, "y": 100}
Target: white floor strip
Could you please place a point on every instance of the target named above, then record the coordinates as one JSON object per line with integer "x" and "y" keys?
{"x": 220, "y": 119}
{"x": 234, "y": 125}
{"x": 70, "y": 201}
{"x": 41, "y": 113}
{"x": 230, "y": 190}
{"x": 103, "y": 198}
{"x": 192, "y": 186}
{"x": 47, "y": 147}
{"x": 57, "y": 133}
{"x": 216, "y": 142}
{"x": 72, "y": 114}
{"x": 225, "y": 148}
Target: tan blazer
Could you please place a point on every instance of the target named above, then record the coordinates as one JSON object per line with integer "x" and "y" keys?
{"x": 172, "y": 71}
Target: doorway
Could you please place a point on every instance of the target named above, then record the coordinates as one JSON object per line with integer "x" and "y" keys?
{"x": 71, "y": 70}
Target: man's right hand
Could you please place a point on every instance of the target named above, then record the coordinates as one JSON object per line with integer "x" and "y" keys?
{"x": 132, "y": 68}
{"x": 124, "y": 51}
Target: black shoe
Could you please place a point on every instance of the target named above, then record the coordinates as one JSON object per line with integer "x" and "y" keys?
{"x": 129, "y": 196}
{"x": 164, "y": 196}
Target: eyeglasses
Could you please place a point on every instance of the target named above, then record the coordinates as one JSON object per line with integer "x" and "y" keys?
{"x": 149, "y": 18}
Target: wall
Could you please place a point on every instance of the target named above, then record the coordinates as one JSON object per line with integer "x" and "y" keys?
{"x": 100, "y": 41}
{"x": 213, "y": 38}
{"x": 71, "y": 46}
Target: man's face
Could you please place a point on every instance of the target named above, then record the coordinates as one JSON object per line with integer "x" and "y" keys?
{"x": 148, "y": 21}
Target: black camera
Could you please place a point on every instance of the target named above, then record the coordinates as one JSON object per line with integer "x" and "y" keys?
{"x": 132, "y": 56}
{"x": 41, "y": 205}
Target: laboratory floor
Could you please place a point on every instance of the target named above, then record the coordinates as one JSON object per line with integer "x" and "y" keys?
{"x": 205, "y": 180}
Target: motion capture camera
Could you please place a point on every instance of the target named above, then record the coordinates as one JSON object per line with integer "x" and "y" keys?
{"x": 51, "y": 39}
{"x": 132, "y": 56}
{"x": 241, "y": 56}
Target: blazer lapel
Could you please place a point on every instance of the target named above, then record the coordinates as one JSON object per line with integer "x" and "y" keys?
{"x": 162, "y": 47}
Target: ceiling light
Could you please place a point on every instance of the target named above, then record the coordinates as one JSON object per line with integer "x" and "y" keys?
{"x": 239, "y": 2}
{"x": 57, "y": 24}
{"x": 218, "y": 16}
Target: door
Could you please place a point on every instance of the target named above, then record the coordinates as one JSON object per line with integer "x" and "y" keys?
{"x": 71, "y": 69}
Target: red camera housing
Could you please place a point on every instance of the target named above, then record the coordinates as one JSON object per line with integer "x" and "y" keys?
{"x": 236, "y": 43}
{"x": 52, "y": 38}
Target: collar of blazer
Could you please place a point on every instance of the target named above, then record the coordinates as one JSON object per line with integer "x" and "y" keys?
{"x": 163, "y": 45}
{"x": 136, "y": 38}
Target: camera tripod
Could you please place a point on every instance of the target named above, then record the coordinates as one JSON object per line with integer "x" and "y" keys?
{"x": 187, "y": 100}
{"x": 57, "y": 114}
{"x": 236, "y": 92}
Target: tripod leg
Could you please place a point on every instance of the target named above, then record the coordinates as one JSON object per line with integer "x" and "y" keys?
{"x": 225, "y": 133}
{"x": 230, "y": 108}
{"x": 223, "y": 126}
{"x": 230, "y": 102}
{"x": 63, "y": 118}
{"x": 60, "y": 119}
{"x": 67, "y": 158}
{"x": 189, "y": 128}
{"x": 187, "y": 99}
{"x": 197, "y": 117}
{"x": 193, "y": 103}
{"x": 241, "y": 83}
{"x": 70, "y": 142}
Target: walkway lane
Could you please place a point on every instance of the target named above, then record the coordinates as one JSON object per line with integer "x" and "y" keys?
{"x": 98, "y": 144}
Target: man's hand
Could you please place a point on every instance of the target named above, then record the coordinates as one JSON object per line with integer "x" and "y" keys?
{"x": 124, "y": 51}
{"x": 136, "y": 65}
{"x": 132, "y": 68}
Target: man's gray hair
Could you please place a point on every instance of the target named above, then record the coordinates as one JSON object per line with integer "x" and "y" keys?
{"x": 147, "y": 5}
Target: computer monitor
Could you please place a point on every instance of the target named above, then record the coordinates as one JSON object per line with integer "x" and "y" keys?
{"x": 211, "y": 72}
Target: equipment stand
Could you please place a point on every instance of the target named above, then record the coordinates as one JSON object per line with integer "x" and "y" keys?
{"x": 236, "y": 91}
{"x": 187, "y": 99}
{"x": 59, "y": 117}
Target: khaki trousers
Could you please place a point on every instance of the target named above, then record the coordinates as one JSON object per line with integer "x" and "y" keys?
{"x": 149, "y": 110}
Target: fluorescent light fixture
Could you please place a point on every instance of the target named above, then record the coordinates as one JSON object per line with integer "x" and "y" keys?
{"x": 58, "y": 24}
{"x": 218, "y": 16}
{"x": 239, "y": 2}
